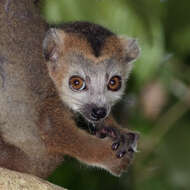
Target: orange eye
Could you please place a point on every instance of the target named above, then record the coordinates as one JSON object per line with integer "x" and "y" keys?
{"x": 114, "y": 83}
{"x": 76, "y": 83}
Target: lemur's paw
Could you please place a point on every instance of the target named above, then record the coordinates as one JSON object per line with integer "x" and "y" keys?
{"x": 120, "y": 165}
{"x": 124, "y": 142}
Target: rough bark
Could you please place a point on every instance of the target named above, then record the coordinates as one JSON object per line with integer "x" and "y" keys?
{"x": 11, "y": 180}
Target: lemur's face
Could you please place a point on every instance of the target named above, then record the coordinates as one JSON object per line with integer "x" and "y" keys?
{"x": 89, "y": 69}
{"x": 92, "y": 88}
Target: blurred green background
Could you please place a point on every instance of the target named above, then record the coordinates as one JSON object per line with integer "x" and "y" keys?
{"x": 157, "y": 98}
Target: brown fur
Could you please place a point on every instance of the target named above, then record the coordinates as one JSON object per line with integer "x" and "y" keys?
{"x": 38, "y": 129}
{"x": 73, "y": 42}
{"x": 75, "y": 142}
{"x": 113, "y": 47}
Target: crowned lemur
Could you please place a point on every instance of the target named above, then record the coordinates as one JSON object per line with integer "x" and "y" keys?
{"x": 50, "y": 75}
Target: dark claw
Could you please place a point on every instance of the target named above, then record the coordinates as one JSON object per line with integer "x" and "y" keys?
{"x": 115, "y": 146}
{"x": 123, "y": 142}
{"x": 120, "y": 154}
{"x": 110, "y": 132}
{"x": 107, "y": 131}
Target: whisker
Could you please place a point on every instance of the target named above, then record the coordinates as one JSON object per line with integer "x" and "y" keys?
{"x": 75, "y": 100}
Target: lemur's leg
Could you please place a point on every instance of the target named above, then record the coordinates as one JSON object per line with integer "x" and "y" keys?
{"x": 124, "y": 141}
{"x": 12, "y": 157}
{"x": 61, "y": 136}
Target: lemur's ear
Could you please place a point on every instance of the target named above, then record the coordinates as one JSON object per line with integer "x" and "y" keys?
{"x": 54, "y": 38}
{"x": 131, "y": 48}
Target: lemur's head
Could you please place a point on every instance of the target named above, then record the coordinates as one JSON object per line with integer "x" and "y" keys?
{"x": 89, "y": 66}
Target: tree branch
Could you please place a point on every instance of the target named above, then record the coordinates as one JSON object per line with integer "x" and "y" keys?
{"x": 15, "y": 180}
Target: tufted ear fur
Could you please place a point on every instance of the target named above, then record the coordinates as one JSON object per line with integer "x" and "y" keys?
{"x": 54, "y": 38}
{"x": 131, "y": 49}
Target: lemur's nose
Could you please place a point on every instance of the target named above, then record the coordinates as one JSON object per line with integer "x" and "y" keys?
{"x": 99, "y": 113}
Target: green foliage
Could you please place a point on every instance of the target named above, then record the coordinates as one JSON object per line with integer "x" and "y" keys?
{"x": 157, "y": 101}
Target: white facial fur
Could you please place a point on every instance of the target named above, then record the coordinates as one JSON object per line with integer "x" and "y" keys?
{"x": 96, "y": 76}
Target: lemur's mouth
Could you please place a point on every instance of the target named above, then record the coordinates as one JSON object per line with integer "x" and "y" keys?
{"x": 85, "y": 123}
